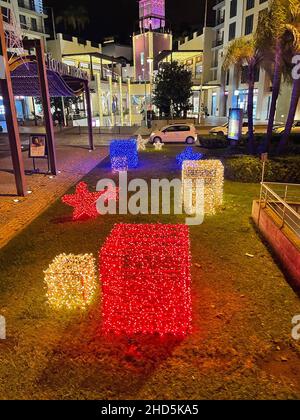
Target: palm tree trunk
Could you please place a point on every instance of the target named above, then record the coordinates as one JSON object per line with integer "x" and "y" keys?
{"x": 291, "y": 116}
{"x": 275, "y": 95}
{"x": 251, "y": 145}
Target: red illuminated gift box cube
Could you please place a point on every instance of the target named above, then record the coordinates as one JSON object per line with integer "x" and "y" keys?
{"x": 146, "y": 283}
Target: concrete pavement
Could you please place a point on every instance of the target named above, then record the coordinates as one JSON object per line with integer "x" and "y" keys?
{"x": 74, "y": 161}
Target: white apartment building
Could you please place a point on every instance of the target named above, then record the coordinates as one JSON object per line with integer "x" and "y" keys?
{"x": 30, "y": 15}
{"x": 236, "y": 18}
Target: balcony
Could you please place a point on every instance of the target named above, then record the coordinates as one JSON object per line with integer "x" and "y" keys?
{"x": 218, "y": 3}
{"x": 28, "y": 6}
{"x": 33, "y": 28}
{"x": 220, "y": 20}
{"x": 218, "y": 43}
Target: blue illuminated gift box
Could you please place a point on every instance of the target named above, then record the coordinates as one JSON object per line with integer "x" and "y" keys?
{"x": 125, "y": 149}
{"x": 188, "y": 154}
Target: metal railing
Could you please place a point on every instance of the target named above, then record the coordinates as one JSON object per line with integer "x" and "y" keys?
{"x": 284, "y": 201}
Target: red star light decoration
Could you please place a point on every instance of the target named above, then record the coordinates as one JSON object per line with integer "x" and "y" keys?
{"x": 85, "y": 202}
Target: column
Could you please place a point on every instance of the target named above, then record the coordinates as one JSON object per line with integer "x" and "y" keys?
{"x": 100, "y": 108}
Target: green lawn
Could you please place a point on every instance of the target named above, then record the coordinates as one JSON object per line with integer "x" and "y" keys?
{"x": 241, "y": 345}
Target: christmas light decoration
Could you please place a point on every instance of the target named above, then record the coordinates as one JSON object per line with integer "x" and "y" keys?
{"x": 141, "y": 143}
{"x": 119, "y": 164}
{"x": 212, "y": 173}
{"x": 188, "y": 154}
{"x": 158, "y": 146}
{"x": 146, "y": 283}
{"x": 125, "y": 149}
{"x": 71, "y": 281}
{"x": 85, "y": 202}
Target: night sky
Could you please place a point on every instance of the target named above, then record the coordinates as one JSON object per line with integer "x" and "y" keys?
{"x": 118, "y": 17}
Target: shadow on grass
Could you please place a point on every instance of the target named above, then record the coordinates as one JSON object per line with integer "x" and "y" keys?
{"x": 110, "y": 365}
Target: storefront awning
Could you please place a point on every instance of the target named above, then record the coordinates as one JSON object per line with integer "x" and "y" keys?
{"x": 25, "y": 82}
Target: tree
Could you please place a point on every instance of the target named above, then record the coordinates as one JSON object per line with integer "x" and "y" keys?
{"x": 269, "y": 38}
{"x": 292, "y": 37}
{"x": 74, "y": 17}
{"x": 173, "y": 89}
{"x": 243, "y": 51}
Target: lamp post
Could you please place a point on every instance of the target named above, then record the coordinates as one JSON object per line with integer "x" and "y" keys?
{"x": 145, "y": 108}
{"x": 150, "y": 62}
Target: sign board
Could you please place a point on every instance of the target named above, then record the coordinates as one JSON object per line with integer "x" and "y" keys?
{"x": 235, "y": 124}
{"x": 264, "y": 157}
{"x": 38, "y": 146}
{"x": 64, "y": 69}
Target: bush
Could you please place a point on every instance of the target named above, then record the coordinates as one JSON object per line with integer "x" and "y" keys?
{"x": 221, "y": 142}
{"x": 214, "y": 142}
{"x": 249, "y": 169}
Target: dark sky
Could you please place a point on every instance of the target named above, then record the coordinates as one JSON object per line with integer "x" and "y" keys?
{"x": 118, "y": 17}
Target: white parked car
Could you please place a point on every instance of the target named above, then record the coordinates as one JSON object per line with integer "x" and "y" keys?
{"x": 222, "y": 130}
{"x": 175, "y": 133}
{"x": 279, "y": 129}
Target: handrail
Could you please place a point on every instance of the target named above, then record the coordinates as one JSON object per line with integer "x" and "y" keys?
{"x": 269, "y": 198}
{"x": 281, "y": 200}
{"x": 280, "y": 183}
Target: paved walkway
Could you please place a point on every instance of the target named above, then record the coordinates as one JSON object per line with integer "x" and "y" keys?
{"x": 74, "y": 161}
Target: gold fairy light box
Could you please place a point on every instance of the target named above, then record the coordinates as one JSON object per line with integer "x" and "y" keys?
{"x": 71, "y": 281}
{"x": 211, "y": 174}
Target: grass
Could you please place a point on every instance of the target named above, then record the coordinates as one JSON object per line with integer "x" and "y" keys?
{"x": 241, "y": 345}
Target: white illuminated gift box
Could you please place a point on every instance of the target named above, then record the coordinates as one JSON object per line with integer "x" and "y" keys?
{"x": 211, "y": 174}
{"x": 71, "y": 281}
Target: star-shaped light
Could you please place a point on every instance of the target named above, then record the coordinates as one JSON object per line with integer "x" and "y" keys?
{"x": 141, "y": 143}
{"x": 83, "y": 201}
{"x": 158, "y": 146}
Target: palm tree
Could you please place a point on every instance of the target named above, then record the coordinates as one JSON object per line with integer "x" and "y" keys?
{"x": 243, "y": 51}
{"x": 292, "y": 34}
{"x": 74, "y": 17}
{"x": 269, "y": 36}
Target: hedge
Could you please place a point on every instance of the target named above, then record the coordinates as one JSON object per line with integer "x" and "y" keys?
{"x": 213, "y": 142}
{"x": 249, "y": 169}
{"x": 221, "y": 142}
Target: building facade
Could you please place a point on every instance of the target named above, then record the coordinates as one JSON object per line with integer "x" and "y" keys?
{"x": 234, "y": 19}
{"x": 152, "y": 38}
{"x": 27, "y": 17}
{"x": 116, "y": 98}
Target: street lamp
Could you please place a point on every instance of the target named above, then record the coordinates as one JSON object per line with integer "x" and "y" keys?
{"x": 150, "y": 62}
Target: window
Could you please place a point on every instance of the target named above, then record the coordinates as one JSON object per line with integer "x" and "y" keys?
{"x": 23, "y": 22}
{"x": 250, "y": 4}
{"x": 34, "y": 24}
{"x": 171, "y": 129}
{"x": 232, "y": 29}
{"x": 233, "y": 8}
{"x": 244, "y": 76}
{"x": 249, "y": 24}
